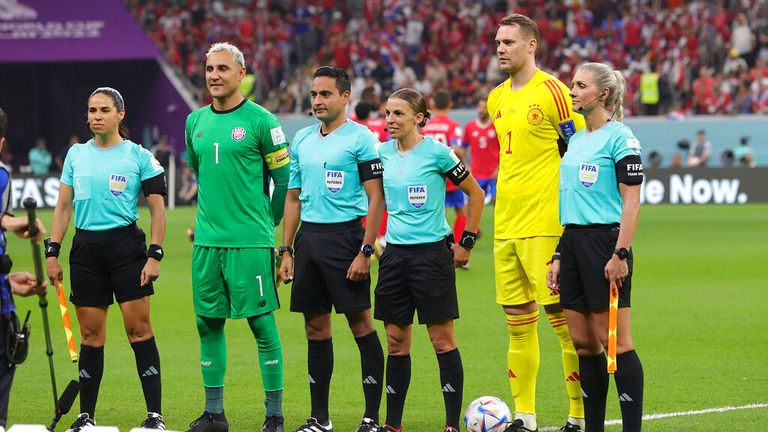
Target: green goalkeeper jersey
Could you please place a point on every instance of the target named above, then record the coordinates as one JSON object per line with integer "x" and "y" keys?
{"x": 234, "y": 153}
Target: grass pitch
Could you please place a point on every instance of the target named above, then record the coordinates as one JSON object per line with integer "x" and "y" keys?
{"x": 700, "y": 326}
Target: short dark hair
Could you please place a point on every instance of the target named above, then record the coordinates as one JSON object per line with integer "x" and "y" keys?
{"x": 442, "y": 99}
{"x": 363, "y": 110}
{"x": 3, "y": 123}
{"x": 340, "y": 75}
{"x": 528, "y": 27}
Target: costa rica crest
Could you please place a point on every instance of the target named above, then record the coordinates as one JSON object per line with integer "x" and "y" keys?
{"x": 238, "y": 134}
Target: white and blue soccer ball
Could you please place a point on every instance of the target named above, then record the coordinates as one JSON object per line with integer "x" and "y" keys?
{"x": 487, "y": 414}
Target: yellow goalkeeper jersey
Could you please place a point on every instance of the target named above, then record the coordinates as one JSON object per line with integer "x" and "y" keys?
{"x": 529, "y": 123}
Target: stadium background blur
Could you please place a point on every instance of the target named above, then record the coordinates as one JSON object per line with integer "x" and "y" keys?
{"x": 690, "y": 65}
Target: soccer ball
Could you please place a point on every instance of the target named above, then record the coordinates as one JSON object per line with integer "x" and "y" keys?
{"x": 487, "y": 414}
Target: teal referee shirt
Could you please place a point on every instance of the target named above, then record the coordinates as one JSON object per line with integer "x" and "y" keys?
{"x": 107, "y": 182}
{"x": 414, "y": 189}
{"x": 589, "y": 190}
{"x": 325, "y": 168}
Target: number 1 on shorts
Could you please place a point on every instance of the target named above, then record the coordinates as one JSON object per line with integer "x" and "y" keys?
{"x": 261, "y": 285}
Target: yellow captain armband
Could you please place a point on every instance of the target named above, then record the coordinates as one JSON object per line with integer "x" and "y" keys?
{"x": 277, "y": 159}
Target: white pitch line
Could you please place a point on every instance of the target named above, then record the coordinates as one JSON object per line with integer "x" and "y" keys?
{"x": 678, "y": 414}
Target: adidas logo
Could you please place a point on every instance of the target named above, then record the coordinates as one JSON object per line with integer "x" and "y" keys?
{"x": 573, "y": 377}
{"x": 511, "y": 374}
{"x": 272, "y": 362}
{"x": 312, "y": 380}
{"x": 84, "y": 374}
{"x": 625, "y": 398}
{"x": 498, "y": 114}
{"x": 390, "y": 390}
{"x": 150, "y": 372}
{"x": 448, "y": 388}
{"x": 370, "y": 380}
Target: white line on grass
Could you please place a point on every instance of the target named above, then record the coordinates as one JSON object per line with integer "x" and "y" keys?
{"x": 679, "y": 414}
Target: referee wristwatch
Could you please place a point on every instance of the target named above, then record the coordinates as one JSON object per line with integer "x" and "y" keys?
{"x": 622, "y": 253}
{"x": 283, "y": 249}
{"x": 367, "y": 250}
{"x": 468, "y": 240}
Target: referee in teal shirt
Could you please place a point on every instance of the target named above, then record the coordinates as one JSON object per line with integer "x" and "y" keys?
{"x": 101, "y": 181}
{"x": 417, "y": 270}
{"x": 600, "y": 177}
{"x": 335, "y": 181}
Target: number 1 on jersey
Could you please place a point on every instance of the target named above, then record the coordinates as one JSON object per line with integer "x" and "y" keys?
{"x": 216, "y": 151}
{"x": 509, "y": 142}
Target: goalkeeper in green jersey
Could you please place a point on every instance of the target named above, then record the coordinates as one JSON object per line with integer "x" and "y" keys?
{"x": 235, "y": 148}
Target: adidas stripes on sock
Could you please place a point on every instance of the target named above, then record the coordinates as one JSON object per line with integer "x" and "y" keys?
{"x": 148, "y": 367}
{"x": 452, "y": 382}
{"x": 320, "y": 365}
{"x": 91, "y": 366}
{"x": 594, "y": 385}
{"x": 372, "y": 366}
{"x": 398, "y": 380}
{"x": 629, "y": 384}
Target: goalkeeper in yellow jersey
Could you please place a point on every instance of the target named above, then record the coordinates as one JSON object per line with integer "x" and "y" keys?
{"x": 532, "y": 114}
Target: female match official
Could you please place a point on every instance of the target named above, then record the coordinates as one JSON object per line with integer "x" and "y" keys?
{"x": 600, "y": 177}
{"x": 101, "y": 181}
{"x": 416, "y": 271}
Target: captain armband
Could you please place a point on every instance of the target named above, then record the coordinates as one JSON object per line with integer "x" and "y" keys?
{"x": 370, "y": 170}
{"x": 154, "y": 185}
{"x": 457, "y": 174}
{"x": 277, "y": 159}
{"x": 629, "y": 170}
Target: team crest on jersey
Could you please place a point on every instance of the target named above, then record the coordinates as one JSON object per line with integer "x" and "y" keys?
{"x": 588, "y": 174}
{"x": 334, "y": 180}
{"x": 117, "y": 184}
{"x": 417, "y": 196}
{"x": 535, "y": 115}
{"x": 238, "y": 134}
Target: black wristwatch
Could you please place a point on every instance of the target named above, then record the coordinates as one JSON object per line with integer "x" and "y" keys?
{"x": 622, "y": 253}
{"x": 52, "y": 249}
{"x": 468, "y": 240}
{"x": 367, "y": 250}
{"x": 283, "y": 249}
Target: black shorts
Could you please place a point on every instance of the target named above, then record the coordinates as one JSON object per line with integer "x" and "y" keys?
{"x": 416, "y": 278}
{"x": 323, "y": 254}
{"x": 584, "y": 252}
{"x": 108, "y": 263}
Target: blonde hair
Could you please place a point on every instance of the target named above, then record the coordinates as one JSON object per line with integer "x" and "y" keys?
{"x": 613, "y": 80}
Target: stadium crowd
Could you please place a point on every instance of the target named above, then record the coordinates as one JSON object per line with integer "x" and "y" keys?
{"x": 690, "y": 57}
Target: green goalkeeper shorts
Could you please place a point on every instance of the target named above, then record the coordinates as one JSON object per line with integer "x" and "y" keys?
{"x": 233, "y": 282}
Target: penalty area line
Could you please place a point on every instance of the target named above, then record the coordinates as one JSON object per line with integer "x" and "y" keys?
{"x": 679, "y": 414}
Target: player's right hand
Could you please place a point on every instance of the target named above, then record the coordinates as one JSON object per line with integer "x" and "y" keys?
{"x": 286, "y": 269}
{"x": 53, "y": 270}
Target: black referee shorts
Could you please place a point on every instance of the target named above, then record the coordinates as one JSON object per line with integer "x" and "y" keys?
{"x": 584, "y": 252}
{"x": 323, "y": 254}
{"x": 416, "y": 278}
{"x": 108, "y": 263}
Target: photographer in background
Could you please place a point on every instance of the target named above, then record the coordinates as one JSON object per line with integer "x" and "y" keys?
{"x": 21, "y": 283}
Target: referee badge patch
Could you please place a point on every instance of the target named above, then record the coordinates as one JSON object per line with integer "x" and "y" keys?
{"x": 417, "y": 196}
{"x": 238, "y": 134}
{"x": 117, "y": 184}
{"x": 588, "y": 174}
{"x": 334, "y": 180}
{"x": 568, "y": 128}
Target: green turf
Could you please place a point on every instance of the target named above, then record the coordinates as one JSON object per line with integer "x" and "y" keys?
{"x": 700, "y": 328}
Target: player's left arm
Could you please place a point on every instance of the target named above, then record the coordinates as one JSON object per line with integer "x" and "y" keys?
{"x": 459, "y": 175}
{"x": 154, "y": 188}
{"x": 370, "y": 170}
{"x": 558, "y": 107}
{"x": 629, "y": 175}
{"x": 274, "y": 147}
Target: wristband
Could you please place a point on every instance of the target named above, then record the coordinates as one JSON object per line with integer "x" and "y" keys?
{"x": 555, "y": 257}
{"x": 468, "y": 240}
{"x": 155, "y": 252}
{"x": 283, "y": 249}
{"x": 52, "y": 249}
